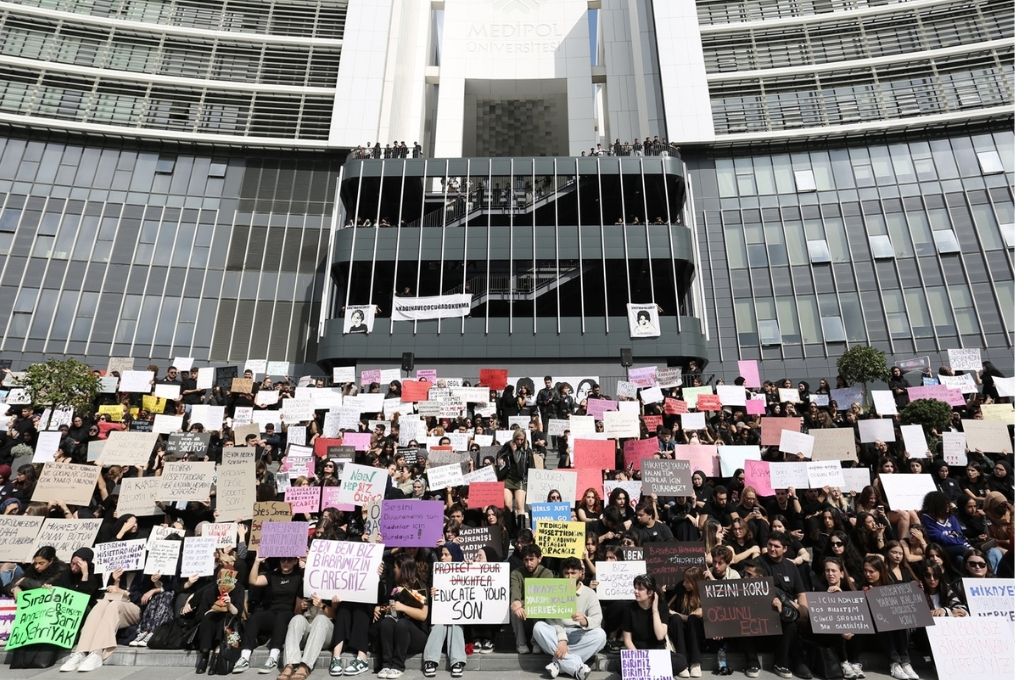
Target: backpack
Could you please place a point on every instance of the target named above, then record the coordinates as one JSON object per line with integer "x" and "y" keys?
{"x": 224, "y": 656}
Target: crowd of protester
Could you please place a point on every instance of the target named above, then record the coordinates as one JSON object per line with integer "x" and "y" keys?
{"x": 648, "y": 147}
{"x": 821, "y": 539}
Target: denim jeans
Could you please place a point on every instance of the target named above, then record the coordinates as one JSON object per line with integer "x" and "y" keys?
{"x": 583, "y": 644}
{"x": 456, "y": 644}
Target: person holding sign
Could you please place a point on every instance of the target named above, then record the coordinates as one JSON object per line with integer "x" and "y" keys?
{"x": 283, "y": 583}
{"x": 97, "y": 639}
{"x": 646, "y": 623}
{"x": 400, "y": 625}
{"x": 439, "y": 633}
{"x": 514, "y": 460}
{"x": 532, "y": 568}
{"x": 897, "y": 642}
{"x": 571, "y": 642}
{"x": 846, "y": 646}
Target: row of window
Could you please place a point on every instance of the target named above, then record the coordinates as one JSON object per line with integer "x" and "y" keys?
{"x": 120, "y": 50}
{"x": 308, "y": 18}
{"x": 729, "y": 11}
{"x": 822, "y": 42}
{"x": 103, "y": 101}
{"x": 929, "y": 87}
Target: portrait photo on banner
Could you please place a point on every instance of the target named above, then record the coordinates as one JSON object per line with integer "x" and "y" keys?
{"x": 360, "y": 319}
{"x": 643, "y": 320}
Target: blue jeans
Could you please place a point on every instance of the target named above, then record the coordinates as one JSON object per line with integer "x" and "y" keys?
{"x": 456, "y": 644}
{"x": 583, "y": 644}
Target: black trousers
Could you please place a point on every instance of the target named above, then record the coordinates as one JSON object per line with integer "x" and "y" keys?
{"x": 686, "y": 636}
{"x": 211, "y": 629}
{"x": 352, "y": 626}
{"x": 399, "y": 639}
{"x": 266, "y": 621}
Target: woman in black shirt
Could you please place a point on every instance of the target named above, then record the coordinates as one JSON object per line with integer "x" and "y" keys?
{"x": 283, "y": 588}
{"x": 646, "y": 622}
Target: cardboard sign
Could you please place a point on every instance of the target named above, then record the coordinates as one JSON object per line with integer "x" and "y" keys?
{"x": 786, "y": 475}
{"x": 666, "y": 477}
{"x": 236, "y": 488}
{"x": 138, "y": 497}
{"x": 241, "y": 386}
{"x": 968, "y": 359}
{"x": 972, "y": 647}
{"x": 445, "y": 476}
{"x": 67, "y": 535}
{"x": 1001, "y": 413}
{"x": 771, "y": 429}
{"x": 411, "y": 523}
{"x": 621, "y": 425}
{"x": 127, "y": 555}
{"x": 542, "y": 482}
{"x": 901, "y": 606}
{"x": 68, "y": 482}
{"x": 303, "y": 499}
{"x": 197, "y": 556}
{"x": 838, "y": 613}
{"x": 128, "y": 448}
{"x": 362, "y": 484}
{"x": 476, "y": 538}
{"x": 267, "y": 511}
{"x": 646, "y": 664}
{"x": 594, "y": 453}
{"x": 822, "y": 473}
{"x": 18, "y": 536}
{"x": 561, "y": 539}
{"x": 991, "y": 597}
{"x": 914, "y": 441}
{"x": 549, "y": 598}
{"x": 162, "y": 558}
{"x": 345, "y": 569}
{"x": 635, "y": 451}
{"x": 475, "y": 593}
{"x": 987, "y": 436}
{"x": 739, "y": 608}
{"x": 615, "y": 578}
{"x": 666, "y": 561}
{"x": 836, "y": 443}
{"x": 187, "y": 481}
{"x": 284, "y": 539}
{"x": 876, "y": 429}
{"x": 47, "y": 616}
{"x": 906, "y": 491}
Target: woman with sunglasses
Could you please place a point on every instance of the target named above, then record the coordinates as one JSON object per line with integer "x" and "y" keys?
{"x": 943, "y": 599}
{"x": 839, "y": 546}
{"x": 897, "y": 642}
{"x": 976, "y": 566}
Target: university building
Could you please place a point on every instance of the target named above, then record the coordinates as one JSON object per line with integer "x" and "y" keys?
{"x": 601, "y": 182}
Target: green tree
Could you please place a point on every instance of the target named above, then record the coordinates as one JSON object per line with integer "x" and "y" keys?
{"x": 930, "y": 414}
{"x": 862, "y": 364}
{"x": 57, "y": 382}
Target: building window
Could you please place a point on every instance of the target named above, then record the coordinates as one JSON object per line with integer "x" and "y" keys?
{"x": 834, "y": 329}
{"x": 805, "y": 180}
{"x": 964, "y": 309}
{"x": 1007, "y": 232}
{"x": 165, "y": 165}
{"x": 990, "y": 163}
{"x": 818, "y": 251}
{"x": 768, "y": 332}
{"x": 218, "y": 168}
{"x": 881, "y": 247}
{"x": 946, "y": 241}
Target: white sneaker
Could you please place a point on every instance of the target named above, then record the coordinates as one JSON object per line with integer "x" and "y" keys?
{"x": 896, "y": 671}
{"x": 385, "y": 673}
{"x": 860, "y": 670}
{"x": 695, "y": 670}
{"x": 552, "y": 669}
{"x": 73, "y": 662}
{"x": 145, "y": 640}
{"x": 909, "y": 671}
{"x": 582, "y": 672}
{"x": 269, "y": 666}
{"x": 91, "y": 663}
{"x": 394, "y": 673}
{"x": 137, "y": 642}
{"x": 685, "y": 673}
{"x": 848, "y": 672}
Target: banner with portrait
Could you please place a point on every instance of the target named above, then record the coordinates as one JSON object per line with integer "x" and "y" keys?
{"x": 359, "y": 319}
{"x": 643, "y": 320}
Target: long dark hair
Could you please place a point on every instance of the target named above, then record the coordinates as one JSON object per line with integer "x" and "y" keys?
{"x": 407, "y": 573}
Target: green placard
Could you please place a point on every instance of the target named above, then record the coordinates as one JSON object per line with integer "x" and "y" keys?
{"x": 550, "y": 598}
{"x": 48, "y": 615}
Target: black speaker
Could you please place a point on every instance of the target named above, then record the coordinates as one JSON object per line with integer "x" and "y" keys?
{"x": 408, "y": 361}
{"x": 626, "y": 357}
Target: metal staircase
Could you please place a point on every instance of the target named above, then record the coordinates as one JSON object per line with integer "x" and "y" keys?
{"x": 504, "y": 287}
{"x": 459, "y": 208}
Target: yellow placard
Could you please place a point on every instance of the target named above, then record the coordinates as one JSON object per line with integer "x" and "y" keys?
{"x": 1001, "y": 413}
{"x": 561, "y": 539}
{"x": 115, "y": 411}
{"x": 153, "y": 404}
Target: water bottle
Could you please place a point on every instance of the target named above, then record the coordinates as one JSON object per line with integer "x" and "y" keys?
{"x": 723, "y": 662}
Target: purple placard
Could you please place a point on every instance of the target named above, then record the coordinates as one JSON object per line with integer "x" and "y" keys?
{"x": 284, "y": 539}
{"x": 750, "y": 372}
{"x": 329, "y": 499}
{"x": 645, "y": 376}
{"x": 938, "y": 392}
{"x": 597, "y": 407}
{"x": 411, "y": 523}
{"x": 370, "y": 375}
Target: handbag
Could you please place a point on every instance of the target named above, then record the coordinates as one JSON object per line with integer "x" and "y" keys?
{"x": 174, "y": 634}
{"x": 790, "y": 611}
{"x": 224, "y": 656}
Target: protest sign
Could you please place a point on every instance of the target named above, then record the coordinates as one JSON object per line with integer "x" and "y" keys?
{"x": 750, "y": 373}
{"x": 855, "y": 479}
{"x": 18, "y": 536}
{"x": 839, "y": 613}
{"x": 836, "y": 443}
{"x": 646, "y": 664}
{"x": 885, "y": 403}
{"x": 739, "y": 608}
{"x": 284, "y": 539}
{"x": 758, "y": 475}
{"x": 731, "y": 395}
{"x": 708, "y": 402}
{"x": 732, "y": 458}
{"x": 666, "y": 477}
{"x": 187, "y": 444}
{"x": 771, "y": 429}
{"x": 126, "y": 555}
{"x": 703, "y": 457}
{"x": 303, "y": 498}
{"x": 466, "y": 592}
{"x": 1005, "y": 387}
{"x": 128, "y": 448}
{"x": 631, "y": 487}
{"x": 187, "y": 481}
{"x": 47, "y": 616}
{"x": 225, "y": 534}
{"x": 206, "y": 378}
{"x": 786, "y": 475}
{"x": 845, "y": 397}
{"x": 652, "y": 423}
{"x": 914, "y": 441}
{"x": 67, "y": 535}
{"x": 162, "y": 558}
{"x": 675, "y": 406}
{"x": 594, "y": 453}
{"x": 561, "y": 539}
{"x": 159, "y": 533}
{"x": 556, "y": 512}
{"x": 341, "y": 375}
{"x": 411, "y": 523}
{"x": 197, "y": 556}
{"x": 691, "y": 394}
{"x": 615, "y": 578}
{"x": 415, "y": 390}
{"x": 619, "y": 425}
{"x": 236, "y": 488}
{"x": 241, "y": 386}
{"x": 329, "y": 499}
{"x": 114, "y": 411}
{"x": 167, "y": 391}
{"x": 635, "y": 451}
{"x": 822, "y": 473}
{"x": 964, "y": 383}
{"x": 670, "y": 376}
{"x": 362, "y": 484}
{"x": 66, "y": 482}
{"x": 756, "y": 407}
{"x": 987, "y": 436}
{"x": 542, "y": 482}
{"x": 267, "y": 511}
{"x": 937, "y": 392}
{"x": 550, "y": 598}
{"x": 445, "y": 476}
{"x": 901, "y": 606}
{"x": 484, "y": 474}
{"x": 136, "y": 381}
{"x": 494, "y": 378}
{"x": 108, "y": 384}
{"x": 968, "y": 359}
{"x": 666, "y": 561}
{"x": 582, "y": 426}
{"x": 906, "y": 491}
{"x": 165, "y": 424}
{"x": 972, "y": 647}
{"x": 1001, "y": 413}
{"x": 597, "y": 407}
{"x": 991, "y": 597}
{"x": 876, "y": 429}
{"x": 345, "y": 569}
{"x": 475, "y": 538}
{"x": 652, "y": 395}
{"x": 789, "y": 394}
{"x": 796, "y": 442}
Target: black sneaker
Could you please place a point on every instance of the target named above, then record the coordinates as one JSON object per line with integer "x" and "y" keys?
{"x": 782, "y": 671}
{"x": 486, "y": 646}
{"x": 429, "y": 669}
{"x": 457, "y": 668}
{"x": 803, "y": 672}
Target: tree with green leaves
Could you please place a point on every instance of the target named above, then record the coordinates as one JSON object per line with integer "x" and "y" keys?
{"x": 61, "y": 383}
{"x": 863, "y": 364}
{"x": 930, "y": 414}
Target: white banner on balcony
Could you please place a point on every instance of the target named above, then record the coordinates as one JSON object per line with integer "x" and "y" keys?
{"x": 360, "y": 319}
{"x": 643, "y": 321}
{"x": 434, "y": 307}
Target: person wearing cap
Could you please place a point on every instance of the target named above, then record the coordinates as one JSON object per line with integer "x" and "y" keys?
{"x": 571, "y": 642}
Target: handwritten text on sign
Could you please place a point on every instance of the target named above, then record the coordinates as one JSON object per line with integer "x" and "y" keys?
{"x": 470, "y": 592}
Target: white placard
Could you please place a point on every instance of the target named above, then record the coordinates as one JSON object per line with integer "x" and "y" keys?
{"x": 474, "y": 592}
{"x": 296, "y": 410}
{"x": 954, "y": 448}
{"x": 732, "y": 395}
{"x": 582, "y": 426}
{"x": 183, "y": 364}
{"x": 796, "y": 442}
{"x": 785, "y": 475}
{"x": 693, "y": 421}
{"x": 1004, "y": 386}
{"x": 165, "y": 391}
{"x": 127, "y": 555}
{"x": 137, "y": 381}
{"x": 789, "y": 394}
{"x": 341, "y": 375}
{"x": 967, "y": 359}
{"x": 615, "y": 578}
{"x": 914, "y": 441}
{"x": 885, "y": 403}
{"x": 159, "y": 533}
{"x": 484, "y": 474}
{"x": 366, "y": 403}
{"x": 965, "y": 383}
{"x": 257, "y": 366}
{"x": 972, "y": 647}
{"x": 362, "y": 484}
{"x": 197, "y": 556}
{"x": 993, "y": 597}
{"x": 855, "y": 479}
{"x": 162, "y": 558}
{"x": 541, "y": 482}
{"x": 483, "y": 439}
{"x": 876, "y": 429}
{"x": 444, "y": 476}
{"x": 345, "y": 569}
{"x": 47, "y": 444}
{"x": 211, "y": 417}
{"x": 652, "y": 395}
{"x": 108, "y": 384}
{"x": 906, "y": 491}
{"x": 620, "y": 425}
{"x": 280, "y": 368}
{"x": 205, "y": 378}
{"x": 166, "y": 424}
{"x": 732, "y": 458}
{"x": 822, "y": 473}
{"x": 632, "y": 488}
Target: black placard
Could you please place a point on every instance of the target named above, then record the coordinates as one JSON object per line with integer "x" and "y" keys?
{"x": 475, "y": 538}
{"x": 191, "y": 444}
{"x": 140, "y": 426}
{"x": 666, "y": 477}
{"x": 667, "y": 561}
{"x": 410, "y": 454}
{"x": 739, "y": 608}
{"x": 838, "y": 613}
{"x": 345, "y": 453}
{"x": 899, "y": 607}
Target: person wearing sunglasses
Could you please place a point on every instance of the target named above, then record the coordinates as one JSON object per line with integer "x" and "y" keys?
{"x": 976, "y": 566}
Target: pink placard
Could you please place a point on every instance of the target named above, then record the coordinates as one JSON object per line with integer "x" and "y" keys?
{"x": 371, "y": 375}
{"x": 750, "y": 372}
{"x": 597, "y": 407}
{"x": 589, "y": 478}
{"x": 598, "y": 454}
{"x": 329, "y": 499}
{"x": 303, "y": 498}
{"x": 645, "y": 376}
{"x": 360, "y": 440}
{"x": 953, "y": 397}
{"x": 703, "y": 457}
{"x": 755, "y": 407}
{"x": 771, "y": 429}
{"x": 675, "y": 406}
{"x": 429, "y": 373}
{"x": 635, "y": 451}
{"x": 757, "y": 473}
